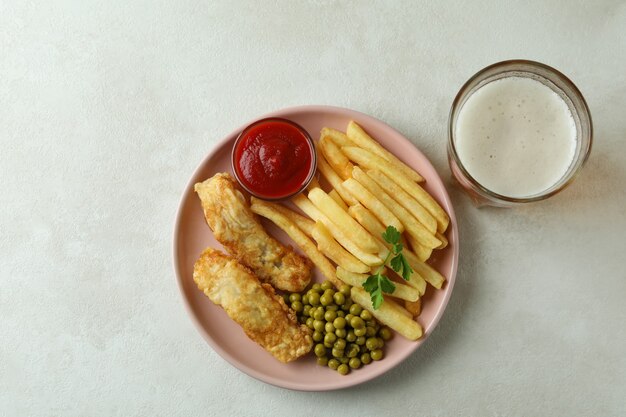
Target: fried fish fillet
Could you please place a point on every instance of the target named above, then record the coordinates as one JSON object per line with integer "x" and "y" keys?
{"x": 262, "y": 314}
{"x": 235, "y": 226}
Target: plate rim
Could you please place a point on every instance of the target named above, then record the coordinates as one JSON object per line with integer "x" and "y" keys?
{"x": 226, "y": 355}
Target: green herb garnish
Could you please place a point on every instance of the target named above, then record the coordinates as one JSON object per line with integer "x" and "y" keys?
{"x": 377, "y": 283}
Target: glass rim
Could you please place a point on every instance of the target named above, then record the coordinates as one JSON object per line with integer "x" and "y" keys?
{"x": 310, "y": 142}
{"x": 504, "y": 65}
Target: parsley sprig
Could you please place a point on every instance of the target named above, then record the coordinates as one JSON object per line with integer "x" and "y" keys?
{"x": 377, "y": 284}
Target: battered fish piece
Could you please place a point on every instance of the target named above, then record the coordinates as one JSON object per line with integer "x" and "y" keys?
{"x": 238, "y": 229}
{"x": 262, "y": 314}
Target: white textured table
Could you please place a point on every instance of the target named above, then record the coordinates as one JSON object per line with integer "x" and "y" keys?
{"x": 106, "y": 109}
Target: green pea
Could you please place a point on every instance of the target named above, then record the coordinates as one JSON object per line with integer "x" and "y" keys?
{"x": 330, "y": 338}
{"x": 371, "y": 343}
{"x": 306, "y": 310}
{"x": 333, "y": 363}
{"x": 355, "y": 309}
{"x": 349, "y": 317}
{"x": 352, "y": 350}
{"x": 297, "y": 306}
{"x": 330, "y": 315}
{"x": 351, "y": 337}
{"x": 305, "y": 299}
{"x": 343, "y": 369}
{"x": 341, "y": 333}
{"x": 370, "y": 331}
{"x": 316, "y": 287}
{"x": 355, "y": 363}
{"x": 329, "y": 328}
{"x": 345, "y": 290}
{"x": 385, "y": 333}
{"x": 357, "y": 323}
{"x": 340, "y": 344}
{"x": 320, "y": 350}
{"x": 344, "y": 359}
{"x": 309, "y": 322}
{"x": 322, "y": 361}
{"x": 339, "y": 298}
{"x": 366, "y": 358}
{"x": 360, "y": 332}
{"x": 329, "y": 292}
{"x": 327, "y": 285}
{"x": 381, "y": 342}
{"x": 339, "y": 323}
{"x": 318, "y": 325}
{"x": 326, "y": 299}
{"x": 332, "y": 307}
{"x": 318, "y": 336}
{"x": 318, "y": 314}
{"x": 314, "y": 299}
{"x": 366, "y": 315}
{"x": 341, "y": 313}
{"x": 337, "y": 353}
{"x": 377, "y": 354}
{"x": 360, "y": 340}
{"x": 295, "y": 297}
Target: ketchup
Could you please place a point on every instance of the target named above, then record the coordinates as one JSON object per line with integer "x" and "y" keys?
{"x": 273, "y": 158}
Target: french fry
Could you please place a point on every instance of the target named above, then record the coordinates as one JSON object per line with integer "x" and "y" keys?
{"x": 372, "y": 225}
{"x": 413, "y": 227}
{"x": 335, "y": 196}
{"x": 414, "y": 307}
{"x": 443, "y": 239}
{"x": 398, "y": 307}
{"x": 402, "y": 291}
{"x": 335, "y": 158}
{"x": 372, "y": 161}
{"x": 333, "y": 250}
{"x": 405, "y": 200}
{"x": 298, "y": 236}
{"x": 422, "y": 252}
{"x": 357, "y": 135}
{"x": 426, "y": 271}
{"x": 335, "y": 181}
{"x": 344, "y": 240}
{"x": 342, "y": 220}
{"x": 388, "y": 315}
{"x": 340, "y": 138}
{"x": 373, "y": 203}
{"x": 305, "y": 224}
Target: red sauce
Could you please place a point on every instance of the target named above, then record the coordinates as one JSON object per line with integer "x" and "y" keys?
{"x": 273, "y": 159}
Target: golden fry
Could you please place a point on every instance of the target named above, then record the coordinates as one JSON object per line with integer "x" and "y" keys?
{"x": 340, "y": 138}
{"x": 373, "y": 203}
{"x": 304, "y": 223}
{"x": 414, "y": 307}
{"x": 335, "y": 181}
{"x": 405, "y": 200}
{"x": 342, "y": 220}
{"x": 333, "y": 250}
{"x": 443, "y": 239}
{"x": 422, "y": 252}
{"x": 335, "y": 158}
{"x": 413, "y": 227}
{"x": 335, "y": 196}
{"x": 344, "y": 240}
{"x": 389, "y": 315}
{"x": 426, "y": 271}
{"x": 357, "y": 135}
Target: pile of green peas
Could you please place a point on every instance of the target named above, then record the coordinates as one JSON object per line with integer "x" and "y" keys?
{"x": 346, "y": 336}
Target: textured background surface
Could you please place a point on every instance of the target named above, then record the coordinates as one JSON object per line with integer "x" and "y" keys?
{"x": 106, "y": 108}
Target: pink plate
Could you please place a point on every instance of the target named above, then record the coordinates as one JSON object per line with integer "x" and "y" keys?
{"x": 192, "y": 236}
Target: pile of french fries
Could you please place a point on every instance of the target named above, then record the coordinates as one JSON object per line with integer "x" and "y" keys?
{"x": 341, "y": 231}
